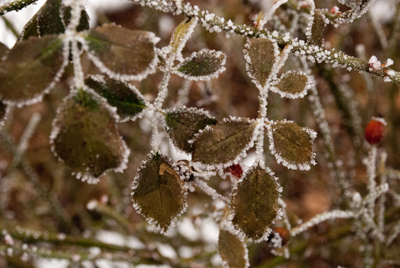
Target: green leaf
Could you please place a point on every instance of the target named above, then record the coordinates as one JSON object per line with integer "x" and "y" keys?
{"x": 260, "y": 55}
{"x": 3, "y": 113}
{"x": 158, "y": 194}
{"x": 86, "y": 138}
{"x": 317, "y": 29}
{"x": 292, "y": 84}
{"x": 291, "y": 144}
{"x": 232, "y": 250}
{"x": 181, "y": 34}
{"x": 122, "y": 53}
{"x": 182, "y": 124}
{"x": 48, "y": 20}
{"x": 255, "y": 202}
{"x": 31, "y": 69}
{"x": 203, "y": 65}
{"x": 224, "y": 142}
{"x": 125, "y": 97}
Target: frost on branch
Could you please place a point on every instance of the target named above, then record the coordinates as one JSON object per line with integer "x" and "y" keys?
{"x": 30, "y": 69}
{"x": 223, "y": 142}
{"x": 158, "y": 194}
{"x": 292, "y": 84}
{"x": 255, "y": 202}
{"x": 260, "y": 55}
{"x": 121, "y": 95}
{"x": 291, "y": 144}
{"x": 182, "y": 124}
{"x": 52, "y": 18}
{"x": 203, "y": 65}
{"x": 86, "y": 137}
{"x": 232, "y": 250}
{"x": 122, "y": 53}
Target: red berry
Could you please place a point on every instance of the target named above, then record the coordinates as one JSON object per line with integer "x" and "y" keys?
{"x": 375, "y": 130}
{"x": 235, "y": 170}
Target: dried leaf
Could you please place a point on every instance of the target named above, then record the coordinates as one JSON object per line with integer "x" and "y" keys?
{"x": 261, "y": 55}
{"x": 317, "y": 29}
{"x": 182, "y": 124}
{"x": 158, "y": 194}
{"x": 255, "y": 203}
{"x": 292, "y": 84}
{"x": 232, "y": 250}
{"x": 30, "y": 69}
{"x": 181, "y": 34}
{"x": 122, "y": 53}
{"x": 222, "y": 143}
{"x": 125, "y": 97}
{"x": 48, "y": 20}
{"x": 86, "y": 138}
{"x": 292, "y": 144}
{"x": 203, "y": 65}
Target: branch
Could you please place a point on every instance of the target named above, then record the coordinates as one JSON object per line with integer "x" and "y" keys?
{"x": 15, "y": 6}
{"x": 214, "y": 23}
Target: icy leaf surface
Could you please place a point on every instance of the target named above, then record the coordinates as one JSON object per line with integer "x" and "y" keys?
{"x": 182, "y": 124}
{"x": 125, "y": 97}
{"x": 222, "y": 143}
{"x": 203, "y": 65}
{"x": 158, "y": 194}
{"x": 317, "y": 29}
{"x": 260, "y": 55}
{"x": 255, "y": 202}
{"x": 181, "y": 34}
{"x": 86, "y": 138}
{"x": 292, "y": 85}
{"x": 292, "y": 144}
{"x": 48, "y": 20}
{"x": 119, "y": 51}
{"x": 232, "y": 250}
{"x": 30, "y": 68}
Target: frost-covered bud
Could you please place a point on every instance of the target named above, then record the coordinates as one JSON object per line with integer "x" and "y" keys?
{"x": 279, "y": 237}
{"x": 236, "y": 170}
{"x": 375, "y": 130}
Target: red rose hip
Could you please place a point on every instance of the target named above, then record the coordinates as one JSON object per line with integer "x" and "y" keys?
{"x": 375, "y": 130}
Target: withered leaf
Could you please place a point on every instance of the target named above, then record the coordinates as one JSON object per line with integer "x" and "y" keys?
{"x": 181, "y": 34}
{"x": 261, "y": 55}
{"x": 255, "y": 202}
{"x": 182, "y": 124}
{"x": 30, "y": 68}
{"x": 317, "y": 29}
{"x": 292, "y": 85}
{"x": 232, "y": 250}
{"x": 203, "y": 65}
{"x": 122, "y": 53}
{"x": 86, "y": 138}
{"x": 125, "y": 97}
{"x": 292, "y": 144}
{"x": 223, "y": 142}
{"x": 158, "y": 194}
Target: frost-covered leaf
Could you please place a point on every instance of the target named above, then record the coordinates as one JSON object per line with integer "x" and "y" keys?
{"x": 3, "y": 112}
{"x": 86, "y": 137}
{"x": 203, "y": 65}
{"x": 122, "y": 53}
{"x": 292, "y": 144}
{"x": 125, "y": 97}
{"x": 255, "y": 202}
{"x": 158, "y": 193}
{"x": 317, "y": 29}
{"x": 3, "y": 50}
{"x": 261, "y": 55}
{"x": 292, "y": 84}
{"x": 181, "y": 34}
{"x": 182, "y": 124}
{"x": 30, "y": 69}
{"x": 232, "y": 250}
{"x": 48, "y": 20}
{"x": 223, "y": 142}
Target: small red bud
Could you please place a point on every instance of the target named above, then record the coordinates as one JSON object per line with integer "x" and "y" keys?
{"x": 235, "y": 170}
{"x": 375, "y": 130}
{"x": 283, "y": 233}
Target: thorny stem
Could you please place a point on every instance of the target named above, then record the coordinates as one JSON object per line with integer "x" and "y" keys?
{"x": 15, "y": 6}
{"x": 300, "y": 48}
